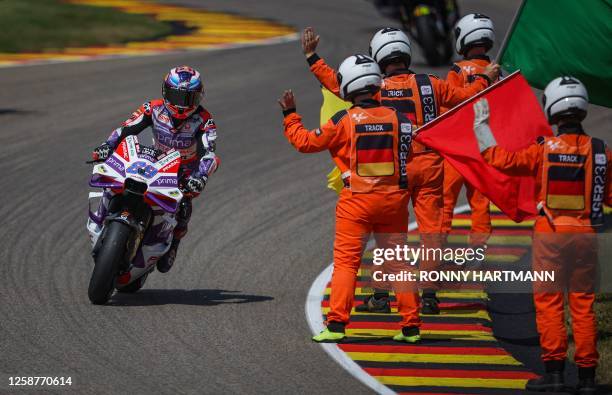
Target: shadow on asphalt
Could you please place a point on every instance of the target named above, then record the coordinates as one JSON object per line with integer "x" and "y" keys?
{"x": 193, "y": 297}
{"x": 6, "y": 111}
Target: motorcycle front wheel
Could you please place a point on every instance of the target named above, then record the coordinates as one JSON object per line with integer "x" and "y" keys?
{"x": 134, "y": 286}
{"x": 107, "y": 262}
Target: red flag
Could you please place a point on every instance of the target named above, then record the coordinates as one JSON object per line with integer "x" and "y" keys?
{"x": 516, "y": 120}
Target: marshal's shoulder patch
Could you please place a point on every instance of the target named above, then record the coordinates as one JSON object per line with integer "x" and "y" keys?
{"x": 338, "y": 116}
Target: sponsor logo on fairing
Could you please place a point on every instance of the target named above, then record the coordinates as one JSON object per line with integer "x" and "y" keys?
{"x": 123, "y": 150}
{"x": 165, "y": 181}
{"x": 143, "y": 169}
{"x": 116, "y": 165}
{"x": 131, "y": 147}
{"x": 169, "y": 166}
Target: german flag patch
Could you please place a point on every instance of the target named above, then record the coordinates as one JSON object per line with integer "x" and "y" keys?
{"x": 375, "y": 156}
{"x": 566, "y": 188}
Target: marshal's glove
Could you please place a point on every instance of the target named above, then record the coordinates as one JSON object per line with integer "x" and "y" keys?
{"x": 102, "y": 152}
{"x": 195, "y": 184}
{"x": 481, "y": 125}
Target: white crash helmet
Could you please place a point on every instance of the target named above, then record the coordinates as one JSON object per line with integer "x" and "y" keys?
{"x": 565, "y": 96}
{"x": 358, "y": 74}
{"x": 389, "y": 45}
{"x": 474, "y": 29}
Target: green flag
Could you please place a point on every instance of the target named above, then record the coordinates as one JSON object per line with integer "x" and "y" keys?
{"x": 551, "y": 38}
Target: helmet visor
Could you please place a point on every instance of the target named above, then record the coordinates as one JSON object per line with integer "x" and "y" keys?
{"x": 182, "y": 97}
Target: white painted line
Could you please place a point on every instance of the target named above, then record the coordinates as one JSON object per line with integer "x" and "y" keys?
{"x": 315, "y": 321}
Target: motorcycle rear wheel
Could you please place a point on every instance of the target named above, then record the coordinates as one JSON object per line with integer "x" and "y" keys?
{"x": 107, "y": 262}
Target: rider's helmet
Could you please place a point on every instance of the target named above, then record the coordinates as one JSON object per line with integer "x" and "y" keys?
{"x": 472, "y": 30}
{"x": 390, "y": 45}
{"x": 565, "y": 96}
{"x": 182, "y": 91}
{"x": 358, "y": 74}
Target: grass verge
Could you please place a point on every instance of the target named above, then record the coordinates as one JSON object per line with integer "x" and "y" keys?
{"x": 603, "y": 312}
{"x": 50, "y": 25}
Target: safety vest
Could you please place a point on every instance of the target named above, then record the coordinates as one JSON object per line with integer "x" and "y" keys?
{"x": 574, "y": 181}
{"x": 380, "y": 146}
{"x": 415, "y": 98}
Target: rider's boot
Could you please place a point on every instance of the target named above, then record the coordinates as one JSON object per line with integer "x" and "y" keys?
{"x": 182, "y": 218}
{"x": 167, "y": 260}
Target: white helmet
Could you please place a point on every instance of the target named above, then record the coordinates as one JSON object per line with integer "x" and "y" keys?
{"x": 565, "y": 96}
{"x": 474, "y": 29}
{"x": 389, "y": 45}
{"x": 358, "y": 74}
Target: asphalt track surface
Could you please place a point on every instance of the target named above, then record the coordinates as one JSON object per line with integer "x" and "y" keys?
{"x": 229, "y": 318}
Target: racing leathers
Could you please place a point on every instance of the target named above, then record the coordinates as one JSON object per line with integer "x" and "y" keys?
{"x": 193, "y": 137}
{"x": 461, "y": 75}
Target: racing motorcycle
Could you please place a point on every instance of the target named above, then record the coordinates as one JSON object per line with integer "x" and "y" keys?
{"x": 428, "y": 22}
{"x": 131, "y": 221}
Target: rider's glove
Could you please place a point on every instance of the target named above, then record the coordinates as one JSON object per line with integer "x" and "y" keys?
{"x": 102, "y": 152}
{"x": 195, "y": 184}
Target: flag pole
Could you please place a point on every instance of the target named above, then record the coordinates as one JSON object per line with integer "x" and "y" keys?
{"x": 509, "y": 33}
